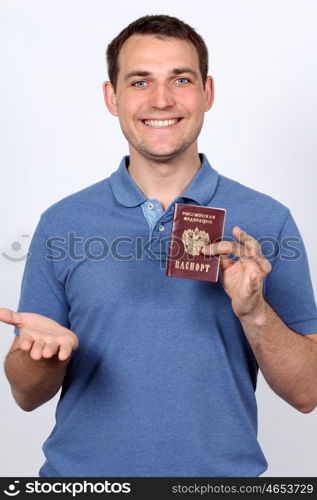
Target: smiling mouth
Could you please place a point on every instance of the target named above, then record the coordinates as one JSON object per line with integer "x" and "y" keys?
{"x": 161, "y": 123}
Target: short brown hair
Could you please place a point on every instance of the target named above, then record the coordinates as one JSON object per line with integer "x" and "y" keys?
{"x": 162, "y": 26}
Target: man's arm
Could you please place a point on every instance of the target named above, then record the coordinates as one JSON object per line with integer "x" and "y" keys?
{"x": 287, "y": 359}
{"x": 36, "y": 363}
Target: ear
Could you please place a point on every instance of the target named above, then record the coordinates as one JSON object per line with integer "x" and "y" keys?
{"x": 209, "y": 93}
{"x": 110, "y": 98}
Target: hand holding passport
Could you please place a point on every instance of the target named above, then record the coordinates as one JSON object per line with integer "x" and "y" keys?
{"x": 194, "y": 226}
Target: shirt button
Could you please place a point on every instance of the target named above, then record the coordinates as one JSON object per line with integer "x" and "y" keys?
{"x": 150, "y": 206}
{"x": 161, "y": 227}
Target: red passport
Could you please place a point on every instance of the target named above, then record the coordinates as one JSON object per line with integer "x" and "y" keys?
{"x": 194, "y": 226}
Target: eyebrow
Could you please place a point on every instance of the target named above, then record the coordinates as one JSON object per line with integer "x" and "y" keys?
{"x": 173, "y": 72}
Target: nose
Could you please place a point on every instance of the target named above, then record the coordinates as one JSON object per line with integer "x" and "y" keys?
{"x": 161, "y": 97}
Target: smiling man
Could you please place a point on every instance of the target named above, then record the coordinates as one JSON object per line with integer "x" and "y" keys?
{"x": 158, "y": 374}
{"x": 160, "y": 97}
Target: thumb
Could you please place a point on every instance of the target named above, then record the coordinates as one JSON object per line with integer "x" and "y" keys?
{"x": 10, "y": 317}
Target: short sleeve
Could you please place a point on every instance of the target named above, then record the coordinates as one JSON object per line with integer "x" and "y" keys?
{"x": 41, "y": 291}
{"x": 289, "y": 288}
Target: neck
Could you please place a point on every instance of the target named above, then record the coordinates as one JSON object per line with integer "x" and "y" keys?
{"x": 164, "y": 180}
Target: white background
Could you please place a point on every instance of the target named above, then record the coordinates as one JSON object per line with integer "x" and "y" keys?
{"x": 57, "y": 137}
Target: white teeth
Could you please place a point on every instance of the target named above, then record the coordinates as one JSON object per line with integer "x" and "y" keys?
{"x": 160, "y": 123}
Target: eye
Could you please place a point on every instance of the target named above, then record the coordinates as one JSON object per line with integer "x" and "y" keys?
{"x": 183, "y": 80}
{"x": 140, "y": 83}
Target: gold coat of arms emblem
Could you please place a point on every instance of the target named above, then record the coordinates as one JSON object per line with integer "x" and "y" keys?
{"x": 194, "y": 240}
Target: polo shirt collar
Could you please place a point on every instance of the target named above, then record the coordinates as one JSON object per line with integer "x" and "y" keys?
{"x": 200, "y": 189}
{"x": 203, "y": 185}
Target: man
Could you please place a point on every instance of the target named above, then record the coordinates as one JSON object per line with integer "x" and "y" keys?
{"x": 158, "y": 374}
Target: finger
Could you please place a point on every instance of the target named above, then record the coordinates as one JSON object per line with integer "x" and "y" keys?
{"x": 10, "y": 317}
{"x": 264, "y": 265}
{"x": 253, "y": 249}
{"x": 50, "y": 349}
{"x": 25, "y": 341}
{"x": 225, "y": 262}
{"x": 225, "y": 248}
{"x": 65, "y": 351}
{"x": 246, "y": 239}
{"x": 37, "y": 349}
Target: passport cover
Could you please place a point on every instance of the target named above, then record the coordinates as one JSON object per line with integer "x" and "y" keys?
{"x": 194, "y": 226}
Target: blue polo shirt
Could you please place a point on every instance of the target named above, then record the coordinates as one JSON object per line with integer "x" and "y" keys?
{"x": 163, "y": 381}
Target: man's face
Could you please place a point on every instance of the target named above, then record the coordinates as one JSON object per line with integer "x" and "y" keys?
{"x": 160, "y": 97}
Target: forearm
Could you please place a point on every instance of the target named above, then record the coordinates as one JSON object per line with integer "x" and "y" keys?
{"x": 33, "y": 382}
{"x": 287, "y": 359}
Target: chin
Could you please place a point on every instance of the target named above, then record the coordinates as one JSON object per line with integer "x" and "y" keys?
{"x": 159, "y": 155}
